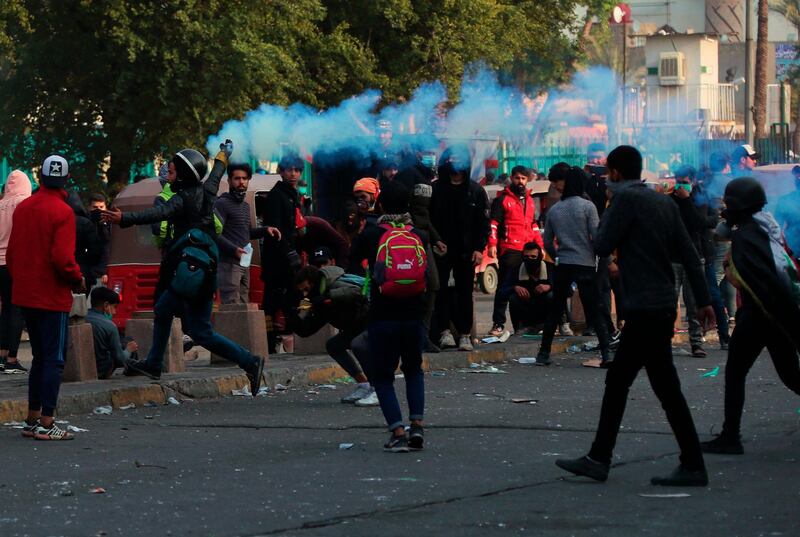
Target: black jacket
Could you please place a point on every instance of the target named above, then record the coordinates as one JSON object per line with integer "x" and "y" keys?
{"x": 460, "y": 213}
{"x": 694, "y": 221}
{"x": 646, "y": 229}
{"x": 280, "y": 210}
{"x": 191, "y": 207}
{"x": 88, "y": 244}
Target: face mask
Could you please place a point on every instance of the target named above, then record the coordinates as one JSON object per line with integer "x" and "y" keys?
{"x": 532, "y": 266}
{"x": 238, "y": 195}
{"x": 519, "y": 189}
{"x": 429, "y": 161}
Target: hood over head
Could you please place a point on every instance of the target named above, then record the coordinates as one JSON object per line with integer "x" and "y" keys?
{"x": 17, "y": 185}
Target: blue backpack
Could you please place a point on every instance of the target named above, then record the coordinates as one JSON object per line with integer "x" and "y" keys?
{"x": 195, "y": 256}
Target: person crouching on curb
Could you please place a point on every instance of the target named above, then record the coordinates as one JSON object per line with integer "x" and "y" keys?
{"x": 44, "y": 273}
{"x": 187, "y": 278}
{"x": 396, "y": 254}
{"x": 331, "y": 297}
{"x": 109, "y": 352}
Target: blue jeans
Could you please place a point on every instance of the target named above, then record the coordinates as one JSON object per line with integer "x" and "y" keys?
{"x": 389, "y": 342}
{"x": 717, "y": 303}
{"x": 48, "y": 334}
{"x": 196, "y": 321}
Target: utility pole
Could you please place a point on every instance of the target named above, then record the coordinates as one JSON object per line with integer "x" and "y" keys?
{"x": 748, "y": 71}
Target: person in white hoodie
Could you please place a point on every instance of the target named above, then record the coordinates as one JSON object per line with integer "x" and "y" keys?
{"x": 17, "y": 189}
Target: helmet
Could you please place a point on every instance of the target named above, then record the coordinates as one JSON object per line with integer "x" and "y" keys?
{"x": 55, "y": 171}
{"x": 455, "y": 160}
{"x": 190, "y": 167}
{"x": 745, "y": 195}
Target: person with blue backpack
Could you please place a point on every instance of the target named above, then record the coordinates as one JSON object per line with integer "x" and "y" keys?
{"x": 398, "y": 272}
{"x": 188, "y": 274}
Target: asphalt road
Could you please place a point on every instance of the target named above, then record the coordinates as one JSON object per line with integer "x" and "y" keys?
{"x": 273, "y": 465}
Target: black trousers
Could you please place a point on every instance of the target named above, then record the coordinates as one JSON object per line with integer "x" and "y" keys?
{"x": 752, "y": 333}
{"x": 464, "y": 276}
{"x": 587, "y": 287}
{"x": 11, "y": 321}
{"x": 509, "y": 263}
{"x": 646, "y": 341}
{"x": 529, "y": 312}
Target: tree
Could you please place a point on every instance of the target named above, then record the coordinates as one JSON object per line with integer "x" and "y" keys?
{"x": 760, "y": 86}
{"x": 790, "y": 9}
{"x": 126, "y": 80}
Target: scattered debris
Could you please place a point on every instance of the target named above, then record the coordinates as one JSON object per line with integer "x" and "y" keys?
{"x": 344, "y": 380}
{"x": 103, "y": 410}
{"x": 589, "y": 347}
{"x": 173, "y": 401}
{"x": 573, "y": 349}
{"x": 280, "y": 387}
{"x": 488, "y": 395}
{"x": 475, "y": 368}
{"x": 142, "y": 465}
{"x": 312, "y": 392}
{"x": 438, "y": 373}
{"x": 98, "y": 490}
{"x": 668, "y": 495}
{"x": 129, "y": 406}
{"x": 713, "y": 373}
{"x": 262, "y": 391}
{"x": 491, "y": 339}
{"x": 326, "y": 387}
{"x": 345, "y": 445}
{"x": 75, "y": 429}
{"x": 524, "y": 400}
{"x": 244, "y": 392}
{"x": 526, "y": 360}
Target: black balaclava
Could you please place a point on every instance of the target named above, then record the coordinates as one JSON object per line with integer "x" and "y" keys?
{"x": 533, "y": 265}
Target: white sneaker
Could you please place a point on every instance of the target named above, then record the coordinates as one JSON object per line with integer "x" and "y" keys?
{"x": 504, "y": 336}
{"x": 447, "y": 340}
{"x": 565, "y": 330}
{"x": 361, "y": 391}
{"x": 464, "y": 343}
{"x": 370, "y": 400}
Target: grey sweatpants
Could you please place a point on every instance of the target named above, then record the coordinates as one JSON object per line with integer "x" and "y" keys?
{"x": 682, "y": 284}
{"x": 234, "y": 283}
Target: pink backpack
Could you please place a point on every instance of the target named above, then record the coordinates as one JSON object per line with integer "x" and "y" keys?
{"x": 401, "y": 264}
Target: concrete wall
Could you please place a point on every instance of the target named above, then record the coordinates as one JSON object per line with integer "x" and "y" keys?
{"x": 699, "y": 50}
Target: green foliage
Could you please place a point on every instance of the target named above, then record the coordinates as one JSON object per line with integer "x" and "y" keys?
{"x": 122, "y": 81}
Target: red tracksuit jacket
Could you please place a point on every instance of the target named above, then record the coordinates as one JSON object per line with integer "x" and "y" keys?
{"x": 513, "y": 225}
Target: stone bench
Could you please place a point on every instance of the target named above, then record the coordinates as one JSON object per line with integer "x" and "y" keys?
{"x": 314, "y": 344}
{"x": 80, "y": 363}
{"x": 140, "y": 328}
{"x": 243, "y": 324}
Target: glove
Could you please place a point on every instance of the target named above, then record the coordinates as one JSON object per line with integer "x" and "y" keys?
{"x": 226, "y": 148}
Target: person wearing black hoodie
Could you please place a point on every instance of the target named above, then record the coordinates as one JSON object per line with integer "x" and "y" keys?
{"x": 88, "y": 245}
{"x": 460, "y": 213}
{"x": 769, "y": 316}
{"x": 646, "y": 229}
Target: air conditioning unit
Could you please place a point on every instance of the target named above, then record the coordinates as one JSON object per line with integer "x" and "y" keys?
{"x": 672, "y": 69}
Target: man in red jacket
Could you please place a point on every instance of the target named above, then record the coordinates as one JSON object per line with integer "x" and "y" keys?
{"x": 513, "y": 224}
{"x": 41, "y": 260}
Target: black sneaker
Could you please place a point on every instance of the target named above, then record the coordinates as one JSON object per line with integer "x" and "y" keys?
{"x": 397, "y": 444}
{"x": 416, "y": 437}
{"x": 15, "y": 368}
{"x": 682, "y": 477}
{"x": 586, "y": 467}
{"x": 589, "y": 332}
{"x": 723, "y": 445}
{"x": 255, "y": 374}
{"x": 543, "y": 358}
{"x": 698, "y": 352}
{"x": 135, "y": 368}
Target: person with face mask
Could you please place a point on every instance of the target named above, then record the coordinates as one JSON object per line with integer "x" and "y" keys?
{"x": 572, "y": 226}
{"x": 234, "y": 213}
{"x": 769, "y": 314}
{"x": 645, "y": 228}
{"x": 109, "y": 352}
{"x": 365, "y": 193}
{"x": 529, "y": 290}
{"x": 513, "y": 224}
{"x": 695, "y": 225}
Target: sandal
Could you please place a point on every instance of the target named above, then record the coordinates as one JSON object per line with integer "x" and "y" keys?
{"x": 53, "y": 433}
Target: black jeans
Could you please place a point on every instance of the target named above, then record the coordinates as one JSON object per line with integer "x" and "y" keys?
{"x": 585, "y": 277}
{"x": 604, "y": 290}
{"x": 529, "y": 312}
{"x": 752, "y": 333}
{"x": 338, "y": 348}
{"x": 509, "y": 263}
{"x": 464, "y": 276}
{"x": 11, "y": 320}
{"x": 646, "y": 341}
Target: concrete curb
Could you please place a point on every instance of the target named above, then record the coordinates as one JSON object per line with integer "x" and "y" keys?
{"x": 214, "y": 382}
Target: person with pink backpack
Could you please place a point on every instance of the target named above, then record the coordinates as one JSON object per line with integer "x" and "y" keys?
{"x": 397, "y": 279}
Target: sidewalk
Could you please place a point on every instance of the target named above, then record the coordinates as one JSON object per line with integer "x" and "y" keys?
{"x": 201, "y": 381}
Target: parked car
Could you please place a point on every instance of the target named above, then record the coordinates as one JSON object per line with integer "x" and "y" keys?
{"x": 134, "y": 258}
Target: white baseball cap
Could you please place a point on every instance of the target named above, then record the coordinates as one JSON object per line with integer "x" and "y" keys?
{"x": 55, "y": 166}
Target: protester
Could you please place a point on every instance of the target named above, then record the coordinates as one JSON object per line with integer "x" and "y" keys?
{"x": 109, "y": 352}
{"x": 366, "y": 192}
{"x": 88, "y": 245}
{"x": 97, "y": 204}
{"x": 529, "y": 290}
{"x": 720, "y": 166}
{"x": 280, "y": 260}
{"x": 769, "y": 315}
{"x": 319, "y": 233}
{"x": 745, "y": 159}
{"x": 695, "y": 226}
{"x": 17, "y": 189}
{"x": 556, "y": 174}
{"x": 396, "y": 254}
{"x": 234, "y": 212}
{"x": 512, "y": 225}
{"x": 187, "y": 276}
{"x": 321, "y": 257}
{"x": 329, "y": 296}
{"x": 459, "y": 212}
{"x": 41, "y": 261}
{"x": 787, "y": 213}
{"x": 645, "y": 227}
{"x": 160, "y": 230}
{"x": 349, "y": 224}
{"x": 572, "y": 224}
